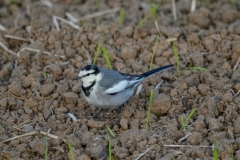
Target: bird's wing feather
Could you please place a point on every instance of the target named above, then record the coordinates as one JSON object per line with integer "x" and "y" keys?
{"x": 134, "y": 81}
{"x": 118, "y": 87}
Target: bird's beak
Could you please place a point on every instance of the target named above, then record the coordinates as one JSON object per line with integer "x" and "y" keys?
{"x": 76, "y": 78}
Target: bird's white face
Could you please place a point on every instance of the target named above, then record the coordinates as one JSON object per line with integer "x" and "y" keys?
{"x": 89, "y": 75}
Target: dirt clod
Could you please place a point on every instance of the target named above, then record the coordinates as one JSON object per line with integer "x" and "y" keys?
{"x": 47, "y": 89}
{"x": 161, "y": 104}
{"x": 128, "y": 53}
{"x": 38, "y": 146}
{"x": 195, "y": 138}
{"x": 124, "y": 123}
{"x": 70, "y": 97}
{"x": 15, "y": 88}
{"x": 95, "y": 124}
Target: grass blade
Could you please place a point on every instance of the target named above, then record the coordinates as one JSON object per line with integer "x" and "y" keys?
{"x": 176, "y": 58}
{"x": 207, "y": 2}
{"x": 110, "y": 157}
{"x": 153, "y": 53}
{"x": 98, "y": 50}
{"x": 111, "y": 132}
{"x": 232, "y": 153}
{"x": 107, "y": 58}
{"x": 194, "y": 68}
{"x": 149, "y": 109}
{"x": 186, "y": 121}
{"x": 71, "y": 151}
{"x": 46, "y": 150}
{"x": 121, "y": 16}
{"x": 143, "y": 21}
{"x": 215, "y": 152}
{"x": 183, "y": 125}
{"x": 153, "y": 8}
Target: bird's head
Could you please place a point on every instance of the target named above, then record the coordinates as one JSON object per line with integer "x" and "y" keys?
{"x": 89, "y": 74}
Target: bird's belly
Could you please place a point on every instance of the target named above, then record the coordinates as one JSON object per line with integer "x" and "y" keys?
{"x": 104, "y": 101}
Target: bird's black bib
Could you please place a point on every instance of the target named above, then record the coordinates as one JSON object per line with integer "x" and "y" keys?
{"x": 87, "y": 90}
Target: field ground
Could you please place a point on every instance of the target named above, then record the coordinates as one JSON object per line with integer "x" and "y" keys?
{"x": 41, "y": 53}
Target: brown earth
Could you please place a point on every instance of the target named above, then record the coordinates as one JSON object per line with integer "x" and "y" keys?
{"x": 37, "y": 91}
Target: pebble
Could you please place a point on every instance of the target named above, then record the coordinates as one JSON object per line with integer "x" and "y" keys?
{"x": 124, "y": 123}
{"x": 95, "y": 124}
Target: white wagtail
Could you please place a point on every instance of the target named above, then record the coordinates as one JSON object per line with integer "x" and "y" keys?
{"x": 108, "y": 89}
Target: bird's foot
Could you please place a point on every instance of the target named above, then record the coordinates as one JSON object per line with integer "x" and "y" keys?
{"x": 97, "y": 116}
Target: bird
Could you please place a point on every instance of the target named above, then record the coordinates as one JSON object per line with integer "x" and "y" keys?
{"x": 109, "y": 89}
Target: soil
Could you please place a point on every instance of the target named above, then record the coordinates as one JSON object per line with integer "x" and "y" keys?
{"x": 39, "y": 97}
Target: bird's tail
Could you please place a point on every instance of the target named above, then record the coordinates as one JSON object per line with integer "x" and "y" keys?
{"x": 160, "y": 69}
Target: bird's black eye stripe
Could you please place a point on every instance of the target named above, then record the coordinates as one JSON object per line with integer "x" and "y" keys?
{"x": 87, "y": 74}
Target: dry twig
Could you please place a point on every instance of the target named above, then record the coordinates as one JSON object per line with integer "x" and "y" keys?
{"x": 2, "y": 28}
{"x": 236, "y": 65}
{"x": 31, "y": 134}
{"x": 193, "y": 6}
{"x": 101, "y": 13}
{"x": 6, "y": 49}
{"x": 185, "y": 137}
{"x": 174, "y": 10}
{"x": 143, "y": 153}
{"x": 17, "y": 97}
{"x": 55, "y": 22}
{"x": 16, "y": 38}
{"x": 176, "y": 146}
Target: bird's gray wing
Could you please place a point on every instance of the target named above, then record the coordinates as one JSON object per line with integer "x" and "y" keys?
{"x": 112, "y": 81}
{"x": 115, "y": 82}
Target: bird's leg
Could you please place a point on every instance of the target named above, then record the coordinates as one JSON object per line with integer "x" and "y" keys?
{"x": 96, "y": 116}
{"x": 120, "y": 114}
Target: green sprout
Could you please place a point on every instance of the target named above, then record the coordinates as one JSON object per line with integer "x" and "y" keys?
{"x": 177, "y": 63}
{"x": 207, "y": 2}
{"x": 198, "y": 2}
{"x": 44, "y": 75}
{"x": 111, "y": 132}
{"x": 46, "y": 150}
{"x": 194, "y": 68}
{"x": 184, "y": 123}
{"x": 215, "y": 152}
{"x": 97, "y": 2}
{"x": 121, "y": 16}
{"x": 71, "y": 151}
{"x": 151, "y": 14}
{"x": 98, "y": 50}
{"x": 149, "y": 109}
{"x": 110, "y": 157}
{"x": 142, "y": 21}
{"x": 81, "y": 22}
{"x": 12, "y": 2}
{"x": 232, "y": 153}
{"x": 176, "y": 58}
{"x": 233, "y": 2}
{"x": 78, "y": 1}
{"x": 105, "y": 54}
{"x": 234, "y": 72}
{"x": 153, "y": 53}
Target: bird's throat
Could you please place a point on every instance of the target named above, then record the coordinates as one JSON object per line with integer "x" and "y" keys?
{"x": 87, "y": 89}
